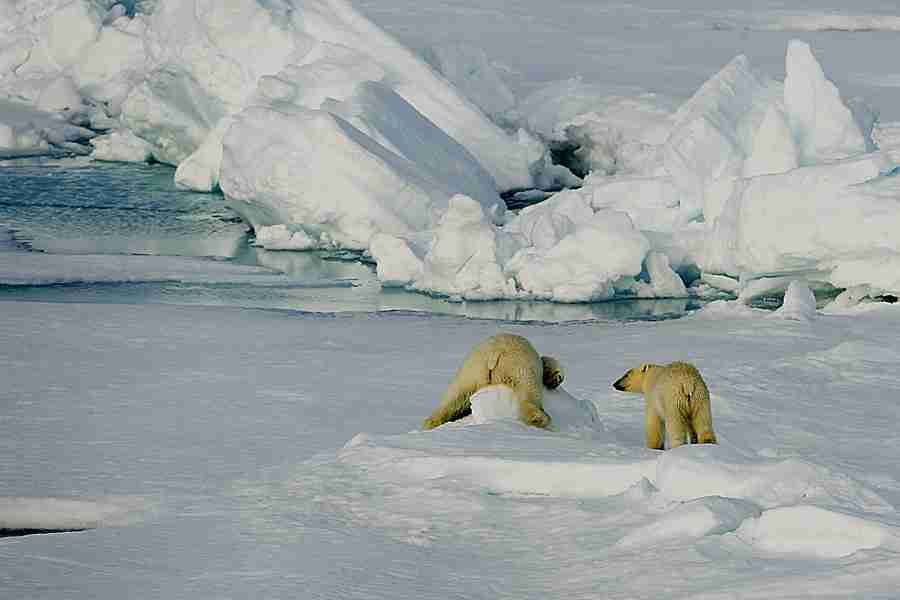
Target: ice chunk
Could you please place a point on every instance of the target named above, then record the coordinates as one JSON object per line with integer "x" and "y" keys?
{"x": 397, "y": 264}
{"x": 799, "y": 303}
{"x": 714, "y": 130}
{"x": 200, "y": 170}
{"x": 877, "y": 268}
{"x": 110, "y": 67}
{"x": 664, "y": 282}
{"x": 823, "y": 126}
{"x": 467, "y": 255}
{"x": 823, "y": 213}
{"x": 314, "y": 169}
{"x": 281, "y": 237}
{"x": 381, "y": 113}
{"x": 653, "y": 203}
{"x": 468, "y": 68}
{"x": 121, "y": 146}
{"x": 774, "y": 150}
{"x": 584, "y": 265}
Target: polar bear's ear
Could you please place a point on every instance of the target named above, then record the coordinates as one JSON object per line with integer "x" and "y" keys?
{"x": 644, "y": 368}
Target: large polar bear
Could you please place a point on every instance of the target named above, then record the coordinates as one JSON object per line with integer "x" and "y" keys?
{"x": 676, "y": 402}
{"x": 503, "y": 359}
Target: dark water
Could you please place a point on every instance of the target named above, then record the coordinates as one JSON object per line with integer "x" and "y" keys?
{"x": 80, "y": 207}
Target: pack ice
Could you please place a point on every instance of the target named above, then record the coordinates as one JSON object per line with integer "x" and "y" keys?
{"x": 325, "y": 131}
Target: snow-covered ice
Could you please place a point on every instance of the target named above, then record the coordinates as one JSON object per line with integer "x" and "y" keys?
{"x": 281, "y": 454}
{"x": 225, "y": 452}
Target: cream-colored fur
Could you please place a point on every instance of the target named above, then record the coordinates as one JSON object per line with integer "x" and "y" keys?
{"x": 676, "y": 402}
{"x": 504, "y": 359}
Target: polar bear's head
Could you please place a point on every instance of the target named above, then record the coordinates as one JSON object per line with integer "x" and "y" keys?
{"x": 633, "y": 380}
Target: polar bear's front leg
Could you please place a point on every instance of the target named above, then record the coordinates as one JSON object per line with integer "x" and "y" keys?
{"x": 455, "y": 403}
{"x": 534, "y": 416}
{"x": 655, "y": 430}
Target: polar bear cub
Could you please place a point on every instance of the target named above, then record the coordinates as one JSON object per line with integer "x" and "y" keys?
{"x": 676, "y": 403}
{"x": 503, "y": 359}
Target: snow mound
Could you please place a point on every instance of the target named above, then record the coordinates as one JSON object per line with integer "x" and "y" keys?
{"x": 503, "y": 457}
{"x": 67, "y": 514}
{"x": 567, "y": 413}
{"x": 711, "y": 515}
{"x": 812, "y": 531}
{"x": 694, "y": 471}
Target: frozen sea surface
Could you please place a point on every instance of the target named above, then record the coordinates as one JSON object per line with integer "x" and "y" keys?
{"x": 240, "y": 453}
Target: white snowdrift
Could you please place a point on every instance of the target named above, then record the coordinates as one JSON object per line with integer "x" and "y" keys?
{"x": 695, "y": 471}
{"x": 812, "y": 531}
{"x": 768, "y": 506}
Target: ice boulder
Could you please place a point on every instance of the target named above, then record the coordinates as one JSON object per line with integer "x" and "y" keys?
{"x": 821, "y": 123}
{"x": 121, "y": 146}
{"x": 714, "y": 130}
{"x": 774, "y": 149}
{"x": 799, "y": 303}
{"x": 586, "y": 264}
{"x": 467, "y": 256}
{"x": 560, "y": 250}
{"x": 809, "y": 219}
{"x": 468, "y": 68}
{"x": 386, "y": 117}
{"x": 653, "y": 203}
{"x": 664, "y": 282}
{"x": 396, "y": 263}
{"x": 314, "y": 170}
